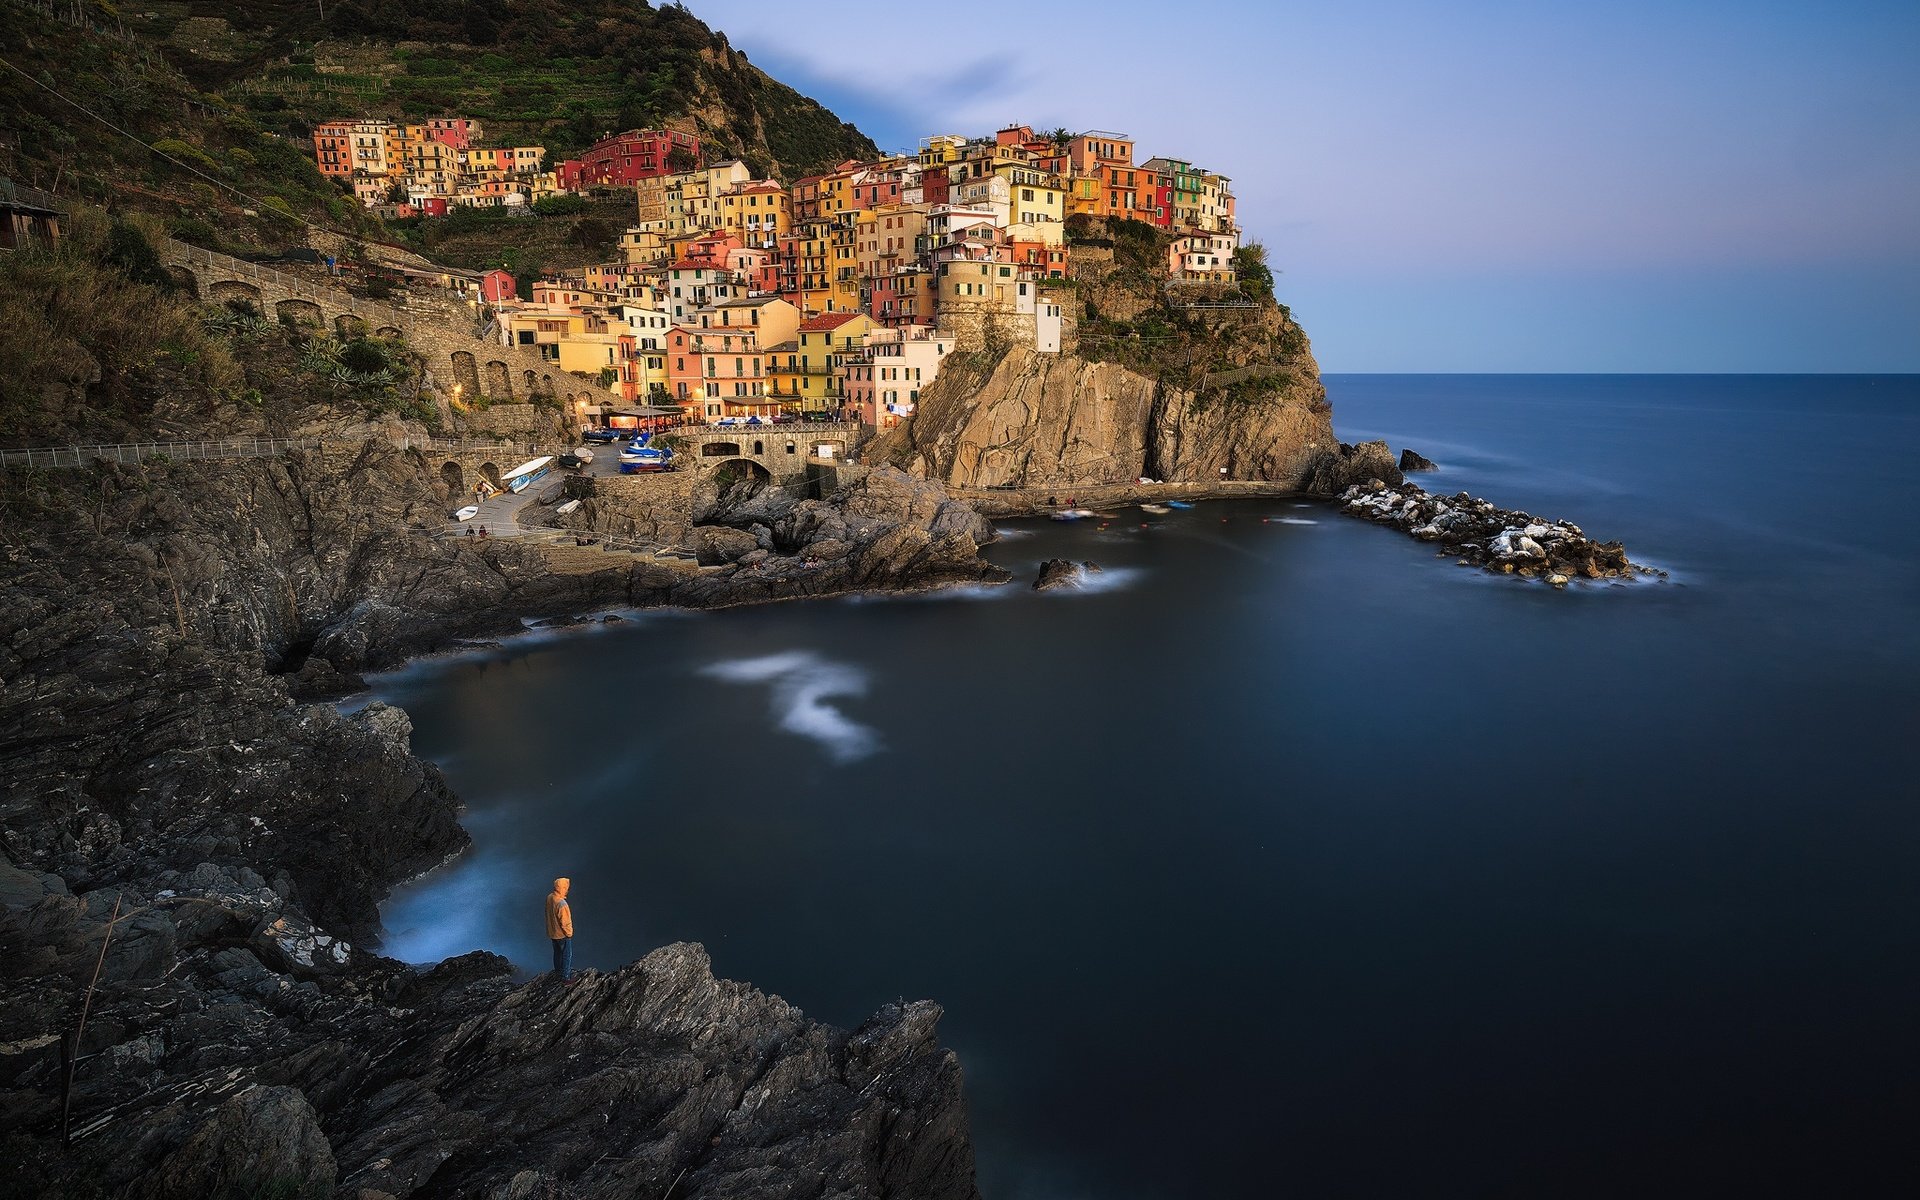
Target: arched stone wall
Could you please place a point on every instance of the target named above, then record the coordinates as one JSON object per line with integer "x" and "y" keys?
{"x": 466, "y": 376}
{"x": 185, "y": 280}
{"x": 299, "y": 312}
{"x": 491, "y": 473}
{"x": 224, "y": 290}
{"x": 499, "y": 384}
{"x": 719, "y": 449}
{"x": 347, "y": 326}
{"x": 389, "y": 331}
{"x": 455, "y": 480}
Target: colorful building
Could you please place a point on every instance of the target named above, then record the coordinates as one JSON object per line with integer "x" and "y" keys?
{"x": 626, "y": 158}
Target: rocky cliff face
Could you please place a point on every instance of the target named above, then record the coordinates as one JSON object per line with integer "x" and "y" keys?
{"x": 1033, "y": 420}
{"x": 156, "y": 625}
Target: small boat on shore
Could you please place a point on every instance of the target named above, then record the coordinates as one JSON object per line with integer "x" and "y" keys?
{"x": 468, "y": 513}
{"x": 1155, "y": 508}
{"x": 1074, "y": 514}
{"x": 1179, "y": 504}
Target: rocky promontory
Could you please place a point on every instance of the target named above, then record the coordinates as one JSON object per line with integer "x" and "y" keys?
{"x": 1482, "y": 534}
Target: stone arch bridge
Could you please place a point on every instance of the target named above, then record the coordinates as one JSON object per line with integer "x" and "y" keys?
{"x": 447, "y": 341}
{"x": 782, "y": 453}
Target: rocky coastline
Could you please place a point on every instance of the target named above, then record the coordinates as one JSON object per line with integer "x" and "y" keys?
{"x": 176, "y": 818}
{"x": 1503, "y": 541}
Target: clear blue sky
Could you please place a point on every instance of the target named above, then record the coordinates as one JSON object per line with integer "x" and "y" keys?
{"x": 1476, "y": 186}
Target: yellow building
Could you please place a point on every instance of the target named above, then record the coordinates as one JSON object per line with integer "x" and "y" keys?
{"x": 757, "y": 212}
{"x": 843, "y": 265}
{"x": 809, "y": 370}
{"x": 1033, "y": 196}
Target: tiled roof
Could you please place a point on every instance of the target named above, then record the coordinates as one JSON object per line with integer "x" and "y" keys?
{"x": 828, "y": 321}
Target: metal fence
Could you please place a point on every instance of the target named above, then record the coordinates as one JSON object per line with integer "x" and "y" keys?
{"x": 139, "y": 452}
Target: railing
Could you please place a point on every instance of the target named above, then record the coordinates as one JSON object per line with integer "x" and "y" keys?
{"x": 137, "y": 452}
{"x": 64, "y": 457}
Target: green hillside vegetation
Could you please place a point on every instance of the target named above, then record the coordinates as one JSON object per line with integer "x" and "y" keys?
{"x": 557, "y": 73}
{"x": 122, "y": 77}
{"x": 228, "y": 94}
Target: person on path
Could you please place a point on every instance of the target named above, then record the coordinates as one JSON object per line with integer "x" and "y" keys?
{"x": 560, "y": 928}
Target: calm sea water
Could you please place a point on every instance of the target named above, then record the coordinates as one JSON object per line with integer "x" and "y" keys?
{"x": 1292, "y": 859}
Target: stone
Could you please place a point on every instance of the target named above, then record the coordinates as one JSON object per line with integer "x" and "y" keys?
{"x": 1412, "y": 461}
{"x": 1059, "y": 573}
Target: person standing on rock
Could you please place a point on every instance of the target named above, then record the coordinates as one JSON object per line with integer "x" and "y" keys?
{"x": 560, "y": 928}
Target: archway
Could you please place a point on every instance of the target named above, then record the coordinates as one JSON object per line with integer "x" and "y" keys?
{"x": 741, "y": 470}
{"x": 455, "y": 479}
{"x": 299, "y": 312}
{"x": 224, "y": 290}
{"x": 759, "y": 448}
{"x": 529, "y": 381}
{"x": 499, "y": 385}
{"x": 389, "y": 331}
{"x": 347, "y": 326}
{"x": 185, "y": 280}
{"x": 490, "y": 473}
{"x": 719, "y": 449}
{"x": 466, "y": 376}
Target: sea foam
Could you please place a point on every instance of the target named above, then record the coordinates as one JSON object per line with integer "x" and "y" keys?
{"x": 802, "y": 686}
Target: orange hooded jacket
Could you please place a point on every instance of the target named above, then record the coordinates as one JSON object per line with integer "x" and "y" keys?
{"x": 559, "y": 912}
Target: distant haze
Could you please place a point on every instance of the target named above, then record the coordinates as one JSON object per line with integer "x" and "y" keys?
{"x": 1477, "y": 186}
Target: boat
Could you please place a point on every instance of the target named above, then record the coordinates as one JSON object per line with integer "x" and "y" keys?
{"x": 1155, "y": 508}
{"x": 468, "y": 513}
{"x": 567, "y": 508}
{"x": 1074, "y": 514}
{"x": 1179, "y": 504}
{"x": 584, "y": 454}
{"x": 601, "y": 435}
{"x": 641, "y": 457}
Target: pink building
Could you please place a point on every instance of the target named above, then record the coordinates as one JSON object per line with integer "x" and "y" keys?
{"x": 496, "y": 285}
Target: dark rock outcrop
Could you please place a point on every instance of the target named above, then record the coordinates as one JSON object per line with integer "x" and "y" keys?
{"x": 1411, "y": 460}
{"x": 1058, "y": 573}
{"x": 1332, "y": 471}
{"x": 1483, "y": 535}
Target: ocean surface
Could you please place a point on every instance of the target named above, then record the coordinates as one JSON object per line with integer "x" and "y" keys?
{"x": 1290, "y": 858}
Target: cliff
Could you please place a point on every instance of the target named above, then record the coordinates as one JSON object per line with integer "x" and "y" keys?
{"x": 1196, "y": 384}
{"x": 1029, "y": 420}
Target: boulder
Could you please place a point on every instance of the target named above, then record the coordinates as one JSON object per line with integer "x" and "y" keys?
{"x": 1059, "y": 573}
{"x": 1413, "y": 461}
{"x": 717, "y": 545}
{"x": 265, "y": 1138}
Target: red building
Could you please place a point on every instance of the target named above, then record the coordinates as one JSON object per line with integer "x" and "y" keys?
{"x": 626, "y": 158}
{"x": 496, "y": 285}
{"x": 333, "y": 148}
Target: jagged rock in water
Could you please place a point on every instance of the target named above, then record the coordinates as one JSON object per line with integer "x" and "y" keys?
{"x": 1481, "y": 534}
{"x": 1333, "y": 470}
{"x": 1059, "y": 573}
{"x": 1413, "y": 461}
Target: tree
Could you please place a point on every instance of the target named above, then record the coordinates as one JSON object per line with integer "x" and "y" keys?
{"x": 681, "y": 159}
{"x": 1250, "y": 264}
{"x": 1060, "y": 137}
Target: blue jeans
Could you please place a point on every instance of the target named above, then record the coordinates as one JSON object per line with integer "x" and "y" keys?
{"x": 563, "y": 957}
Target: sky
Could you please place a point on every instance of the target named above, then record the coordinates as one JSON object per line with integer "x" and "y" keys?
{"x": 1468, "y": 186}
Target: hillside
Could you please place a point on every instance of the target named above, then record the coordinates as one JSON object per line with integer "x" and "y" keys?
{"x": 228, "y": 94}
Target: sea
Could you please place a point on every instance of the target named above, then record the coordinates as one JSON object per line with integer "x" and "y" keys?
{"x": 1287, "y": 858}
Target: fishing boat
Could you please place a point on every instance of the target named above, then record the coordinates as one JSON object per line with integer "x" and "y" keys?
{"x": 1155, "y": 508}
{"x": 1179, "y": 504}
{"x": 468, "y": 513}
{"x": 642, "y": 457}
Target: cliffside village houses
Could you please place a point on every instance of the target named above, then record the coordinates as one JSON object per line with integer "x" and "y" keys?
{"x": 842, "y": 293}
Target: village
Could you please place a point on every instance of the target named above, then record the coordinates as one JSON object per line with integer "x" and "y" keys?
{"x": 835, "y": 297}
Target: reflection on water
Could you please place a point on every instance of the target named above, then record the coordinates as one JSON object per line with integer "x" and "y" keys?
{"x": 1288, "y": 852}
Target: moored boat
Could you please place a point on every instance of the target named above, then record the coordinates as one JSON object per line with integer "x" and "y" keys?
{"x": 468, "y": 513}
{"x": 1155, "y": 508}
